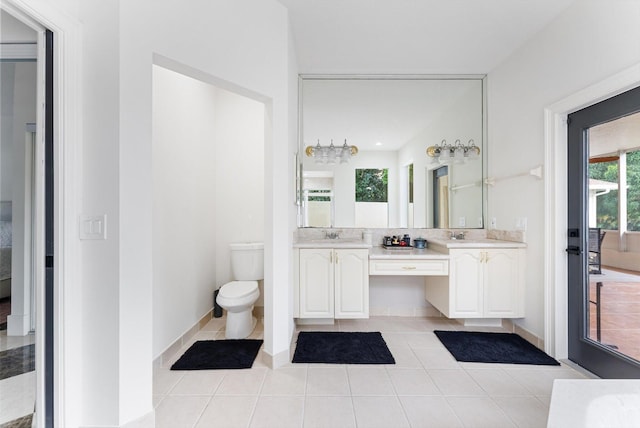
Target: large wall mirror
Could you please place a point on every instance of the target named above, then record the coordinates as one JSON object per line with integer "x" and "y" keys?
{"x": 384, "y": 177}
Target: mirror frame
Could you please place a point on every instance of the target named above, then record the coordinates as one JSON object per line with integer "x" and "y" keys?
{"x": 484, "y": 146}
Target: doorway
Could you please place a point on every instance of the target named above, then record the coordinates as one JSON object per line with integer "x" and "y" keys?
{"x": 441, "y": 197}
{"x": 26, "y": 220}
{"x": 603, "y": 182}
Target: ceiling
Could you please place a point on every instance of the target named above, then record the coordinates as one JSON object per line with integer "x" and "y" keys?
{"x": 617, "y": 135}
{"x": 386, "y": 114}
{"x": 14, "y": 31}
{"x": 413, "y": 36}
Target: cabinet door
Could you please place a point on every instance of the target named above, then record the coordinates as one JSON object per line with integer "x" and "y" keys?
{"x": 502, "y": 285}
{"x": 316, "y": 283}
{"x": 465, "y": 283}
{"x": 352, "y": 283}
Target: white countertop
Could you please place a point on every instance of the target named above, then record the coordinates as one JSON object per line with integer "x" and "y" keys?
{"x": 332, "y": 243}
{"x": 475, "y": 243}
{"x": 441, "y": 245}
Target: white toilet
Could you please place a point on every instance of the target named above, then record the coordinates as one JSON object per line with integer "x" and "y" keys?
{"x": 238, "y": 297}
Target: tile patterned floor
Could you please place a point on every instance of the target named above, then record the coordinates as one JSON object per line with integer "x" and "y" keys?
{"x": 426, "y": 387}
{"x": 17, "y": 361}
{"x": 17, "y": 379}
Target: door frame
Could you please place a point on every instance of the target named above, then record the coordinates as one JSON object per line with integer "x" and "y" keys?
{"x": 556, "y": 206}
{"x": 585, "y": 351}
{"x": 67, "y": 138}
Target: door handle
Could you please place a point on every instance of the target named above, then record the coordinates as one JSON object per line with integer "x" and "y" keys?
{"x": 574, "y": 249}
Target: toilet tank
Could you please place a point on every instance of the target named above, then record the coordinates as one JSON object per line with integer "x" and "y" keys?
{"x": 247, "y": 261}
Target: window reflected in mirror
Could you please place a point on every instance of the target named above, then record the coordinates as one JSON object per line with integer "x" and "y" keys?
{"x": 371, "y": 198}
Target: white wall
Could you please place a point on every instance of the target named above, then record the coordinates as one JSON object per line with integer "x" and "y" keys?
{"x": 588, "y": 42}
{"x": 239, "y": 167}
{"x": 184, "y": 204}
{"x": 208, "y": 167}
{"x": 106, "y": 326}
{"x": 242, "y": 46}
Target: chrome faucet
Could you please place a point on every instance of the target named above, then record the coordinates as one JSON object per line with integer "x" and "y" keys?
{"x": 331, "y": 235}
{"x": 459, "y": 235}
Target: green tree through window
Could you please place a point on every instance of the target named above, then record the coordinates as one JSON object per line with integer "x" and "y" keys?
{"x": 371, "y": 185}
{"x": 607, "y": 209}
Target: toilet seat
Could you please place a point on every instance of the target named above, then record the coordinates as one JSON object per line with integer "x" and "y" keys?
{"x": 238, "y": 289}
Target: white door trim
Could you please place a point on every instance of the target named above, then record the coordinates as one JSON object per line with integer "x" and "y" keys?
{"x": 555, "y": 271}
{"x": 41, "y": 14}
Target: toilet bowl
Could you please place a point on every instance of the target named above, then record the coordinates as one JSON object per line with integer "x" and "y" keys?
{"x": 239, "y": 296}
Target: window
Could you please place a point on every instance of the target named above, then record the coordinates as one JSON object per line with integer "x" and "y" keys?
{"x": 633, "y": 191}
{"x": 371, "y": 185}
{"x": 371, "y": 198}
{"x": 603, "y": 177}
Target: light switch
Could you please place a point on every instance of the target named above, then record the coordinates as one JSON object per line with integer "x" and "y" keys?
{"x": 93, "y": 227}
{"x": 521, "y": 223}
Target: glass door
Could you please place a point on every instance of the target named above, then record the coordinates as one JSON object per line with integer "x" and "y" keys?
{"x": 604, "y": 236}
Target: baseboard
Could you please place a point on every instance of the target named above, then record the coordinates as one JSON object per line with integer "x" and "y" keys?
{"x": 536, "y": 341}
{"x": 480, "y": 322}
{"x": 420, "y": 311}
{"x": 278, "y": 360}
{"x": 18, "y": 325}
{"x": 315, "y": 321}
{"x": 174, "y": 347}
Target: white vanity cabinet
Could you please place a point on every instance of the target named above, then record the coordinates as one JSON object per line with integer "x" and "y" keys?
{"x": 482, "y": 283}
{"x": 333, "y": 283}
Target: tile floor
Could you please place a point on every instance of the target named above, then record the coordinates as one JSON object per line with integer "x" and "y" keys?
{"x": 426, "y": 387}
{"x": 17, "y": 392}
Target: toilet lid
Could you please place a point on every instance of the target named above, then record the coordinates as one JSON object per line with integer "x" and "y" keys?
{"x": 236, "y": 289}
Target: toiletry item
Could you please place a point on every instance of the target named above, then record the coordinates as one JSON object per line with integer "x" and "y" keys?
{"x": 407, "y": 240}
{"x": 217, "y": 309}
{"x": 420, "y": 243}
{"x": 387, "y": 241}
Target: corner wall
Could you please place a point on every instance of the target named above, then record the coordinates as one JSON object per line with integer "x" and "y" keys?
{"x": 589, "y": 41}
{"x": 184, "y": 204}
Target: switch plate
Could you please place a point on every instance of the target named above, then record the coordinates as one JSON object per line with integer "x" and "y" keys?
{"x": 93, "y": 227}
{"x": 494, "y": 223}
{"x": 521, "y": 223}
{"x": 462, "y": 222}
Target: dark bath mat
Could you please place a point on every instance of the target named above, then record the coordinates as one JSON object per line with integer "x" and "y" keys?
{"x": 481, "y": 347}
{"x": 334, "y": 347}
{"x": 219, "y": 354}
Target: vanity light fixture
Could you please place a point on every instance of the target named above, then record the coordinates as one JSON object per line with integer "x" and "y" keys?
{"x": 458, "y": 152}
{"x": 331, "y": 154}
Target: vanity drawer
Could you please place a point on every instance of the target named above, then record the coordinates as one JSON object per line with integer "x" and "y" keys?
{"x": 415, "y": 267}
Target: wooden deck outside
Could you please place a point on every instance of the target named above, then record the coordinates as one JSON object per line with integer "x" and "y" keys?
{"x": 619, "y": 310}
